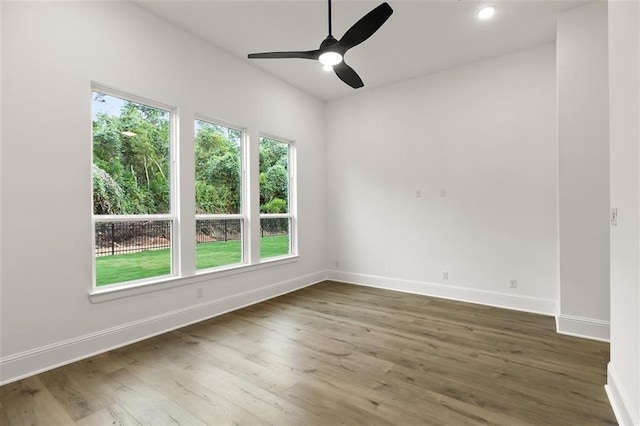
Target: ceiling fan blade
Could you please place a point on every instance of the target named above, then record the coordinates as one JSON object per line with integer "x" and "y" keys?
{"x": 348, "y": 75}
{"x": 365, "y": 27}
{"x": 309, "y": 54}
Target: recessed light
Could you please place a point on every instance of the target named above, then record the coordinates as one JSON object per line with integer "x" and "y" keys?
{"x": 486, "y": 12}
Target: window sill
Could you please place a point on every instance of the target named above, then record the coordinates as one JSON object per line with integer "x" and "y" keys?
{"x": 100, "y": 295}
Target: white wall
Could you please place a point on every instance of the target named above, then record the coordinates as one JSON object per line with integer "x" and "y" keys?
{"x": 583, "y": 146}
{"x": 51, "y": 53}
{"x": 623, "y": 382}
{"x": 1, "y": 23}
{"x": 486, "y": 134}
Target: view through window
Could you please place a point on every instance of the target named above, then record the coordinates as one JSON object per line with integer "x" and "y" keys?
{"x": 219, "y": 220}
{"x": 135, "y": 194}
{"x": 275, "y": 213}
{"x": 131, "y": 190}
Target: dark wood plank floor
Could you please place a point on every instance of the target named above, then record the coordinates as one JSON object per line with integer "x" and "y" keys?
{"x": 332, "y": 354}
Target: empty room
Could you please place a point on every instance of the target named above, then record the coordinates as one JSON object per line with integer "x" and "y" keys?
{"x": 320, "y": 212}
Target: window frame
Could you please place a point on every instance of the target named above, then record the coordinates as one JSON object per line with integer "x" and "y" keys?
{"x": 172, "y": 216}
{"x": 182, "y": 215}
{"x": 292, "y": 202}
{"x": 242, "y": 216}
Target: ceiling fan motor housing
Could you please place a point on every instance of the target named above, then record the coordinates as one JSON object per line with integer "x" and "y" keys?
{"x": 328, "y": 42}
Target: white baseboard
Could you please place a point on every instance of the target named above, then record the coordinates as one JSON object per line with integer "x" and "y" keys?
{"x": 619, "y": 400}
{"x": 583, "y": 327}
{"x": 34, "y": 361}
{"x": 464, "y": 294}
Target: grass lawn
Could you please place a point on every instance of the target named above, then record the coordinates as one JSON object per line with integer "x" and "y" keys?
{"x": 155, "y": 263}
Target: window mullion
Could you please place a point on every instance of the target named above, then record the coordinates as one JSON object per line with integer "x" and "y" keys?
{"x": 275, "y": 215}
{"x": 185, "y": 259}
{"x": 131, "y": 217}
{"x": 253, "y": 204}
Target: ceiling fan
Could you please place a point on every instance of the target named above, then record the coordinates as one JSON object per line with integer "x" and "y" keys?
{"x": 331, "y": 51}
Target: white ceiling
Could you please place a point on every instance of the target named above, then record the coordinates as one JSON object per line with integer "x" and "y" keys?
{"x": 421, "y": 37}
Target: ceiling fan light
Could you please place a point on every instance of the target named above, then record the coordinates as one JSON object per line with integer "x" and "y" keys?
{"x": 330, "y": 58}
{"x": 486, "y": 12}
{"x": 327, "y": 68}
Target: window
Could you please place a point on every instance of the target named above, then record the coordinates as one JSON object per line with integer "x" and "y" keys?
{"x": 219, "y": 183}
{"x": 276, "y": 200}
{"x": 132, "y": 189}
{"x": 141, "y": 234}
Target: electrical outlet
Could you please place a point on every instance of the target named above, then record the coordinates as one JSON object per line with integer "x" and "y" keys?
{"x": 418, "y": 193}
{"x": 336, "y": 264}
{"x": 199, "y": 292}
{"x": 445, "y": 275}
{"x": 443, "y": 192}
{"x": 513, "y": 283}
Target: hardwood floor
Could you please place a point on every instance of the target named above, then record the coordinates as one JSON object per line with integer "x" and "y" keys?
{"x": 332, "y": 354}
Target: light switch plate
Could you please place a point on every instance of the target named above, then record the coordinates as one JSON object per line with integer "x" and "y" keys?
{"x": 614, "y": 216}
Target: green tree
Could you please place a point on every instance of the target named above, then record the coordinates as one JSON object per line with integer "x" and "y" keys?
{"x": 108, "y": 196}
{"x": 275, "y": 205}
{"x": 274, "y": 185}
{"x": 218, "y": 179}
{"x": 132, "y": 149}
{"x": 145, "y": 150}
{"x": 272, "y": 152}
